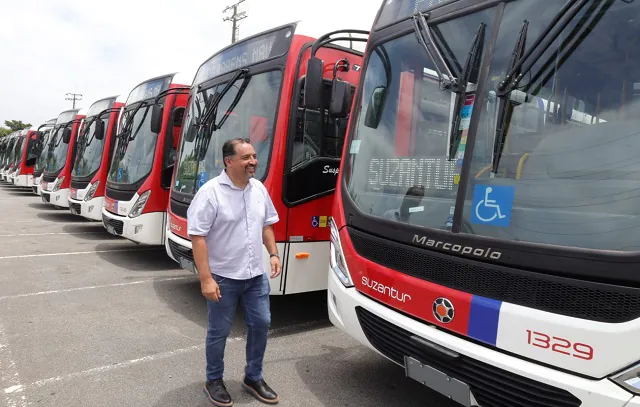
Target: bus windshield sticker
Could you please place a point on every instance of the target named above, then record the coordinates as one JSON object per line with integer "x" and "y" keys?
{"x": 492, "y": 205}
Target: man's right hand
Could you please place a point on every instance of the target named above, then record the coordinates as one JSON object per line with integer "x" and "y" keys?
{"x": 211, "y": 290}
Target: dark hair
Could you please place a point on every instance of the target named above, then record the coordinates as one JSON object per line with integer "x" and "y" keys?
{"x": 229, "y": 147}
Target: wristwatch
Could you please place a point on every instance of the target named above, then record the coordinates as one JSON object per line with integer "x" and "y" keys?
{"x": 274, "y": 255}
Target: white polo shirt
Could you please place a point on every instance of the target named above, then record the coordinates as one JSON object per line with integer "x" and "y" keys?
{"x": 232, "y": 220}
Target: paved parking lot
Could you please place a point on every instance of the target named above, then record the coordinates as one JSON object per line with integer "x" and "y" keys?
{"x": 88, "y": 319}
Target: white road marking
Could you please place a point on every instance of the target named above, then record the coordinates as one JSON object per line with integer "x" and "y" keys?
{"x": 55, "y": 233}
{"x": 24, "y": 256}
{"x": 9, "y": 378}
{"x": 150, "y": 358}
{"x": 107, "y": 368}
{"x": 93, "y": 287}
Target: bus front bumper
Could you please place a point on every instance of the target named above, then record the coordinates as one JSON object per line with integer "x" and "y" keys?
{"x": 91, "y": 210}
{"x": 145, "y": 229}
{"x": 394, "y": 336}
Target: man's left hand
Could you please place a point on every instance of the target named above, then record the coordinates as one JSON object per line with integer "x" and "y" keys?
{"x": 276, "y": 268}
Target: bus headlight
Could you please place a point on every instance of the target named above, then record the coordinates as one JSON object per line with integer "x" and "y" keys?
{"x": 58, "y": 184}
{"x": 138, "y": 207}
{"x": 91, "y": 192}
{"x": 336, "y": 258}
{"x": 629, "y": 380}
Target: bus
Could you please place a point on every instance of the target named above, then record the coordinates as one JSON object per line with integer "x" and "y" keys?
{"x": 8, "y": 157}
{"x": 255, "y": 89}
{"x": 60, "y": 156}
{"x": 484, "y": 223}
{"x": 94, "y": 153}
{"x": 15, "y": 155}
{"x": 139, "y": 176}
{"x": 25, "y": 159}
{"x": 41, "y": 145}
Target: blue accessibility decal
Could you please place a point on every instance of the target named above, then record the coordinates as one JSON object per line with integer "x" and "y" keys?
{"x": 203, "y": 177}
{"x": 492, "y": 205}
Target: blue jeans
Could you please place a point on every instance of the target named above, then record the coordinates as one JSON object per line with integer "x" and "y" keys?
{"x": 254, "y": 296}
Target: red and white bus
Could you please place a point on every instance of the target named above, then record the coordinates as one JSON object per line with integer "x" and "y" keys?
{"x": 9, "y": 156}
{"x": 60, "y": 156}
{"x": 94, "y": 153}
{"x": 16, "y": 155}
{"x": 40, "y": 147}
{"x": 139, "y": 177}
{"x": 486, "y": 215}
{"x": 255, "y": 88}
{"x": 23, "y": 170}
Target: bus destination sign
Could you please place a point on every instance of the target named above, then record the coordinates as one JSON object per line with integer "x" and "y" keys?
{"x": 246, "y": 53}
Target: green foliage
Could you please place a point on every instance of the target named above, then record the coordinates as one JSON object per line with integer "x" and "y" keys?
{"x": 13, "y": 125}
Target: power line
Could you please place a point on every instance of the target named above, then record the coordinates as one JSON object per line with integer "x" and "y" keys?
{"x": 234, "y": 18}
{"x": 74, "y": 98}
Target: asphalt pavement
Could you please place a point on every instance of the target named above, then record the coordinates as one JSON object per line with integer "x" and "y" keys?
{"x": 89, "y": 319}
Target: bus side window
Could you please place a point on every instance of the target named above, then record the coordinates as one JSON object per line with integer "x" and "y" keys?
{"x": 317, "y": 135}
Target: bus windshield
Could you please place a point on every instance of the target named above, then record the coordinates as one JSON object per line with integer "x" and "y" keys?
{"x": 43, "y": 149}
{"x": 17, "y": 150}
{"x": 135, "y": 146}
{"x": 563, "y": 170}
{"x": 247, "y": 110}
{"x": 58, "y": 151}
{"x": 90, "y": 149}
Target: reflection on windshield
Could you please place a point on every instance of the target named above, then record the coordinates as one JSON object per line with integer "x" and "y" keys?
{"x": 569, "y": 173}
{"x": 43, "y": 149}
{"x": 134, "y": 150}
{"x": 400, "y": 168}
{"x": 90, "y": 150}
{"x": 252, "y": 117}
{"x": 58, "y": 150}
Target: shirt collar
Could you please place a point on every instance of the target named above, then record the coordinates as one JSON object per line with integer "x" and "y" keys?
{"x": 224, "y": 179}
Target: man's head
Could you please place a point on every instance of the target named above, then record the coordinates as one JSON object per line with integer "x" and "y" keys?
{"x": 239, "y": 158}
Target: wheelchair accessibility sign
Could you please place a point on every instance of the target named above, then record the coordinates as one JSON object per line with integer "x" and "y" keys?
{"x": 492, "y": 205}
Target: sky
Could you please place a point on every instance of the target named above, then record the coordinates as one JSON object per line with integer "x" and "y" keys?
{"x": 49, "y": 48}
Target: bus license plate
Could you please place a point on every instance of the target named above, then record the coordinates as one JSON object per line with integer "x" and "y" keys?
{"x": 453, "y": 388}
{"x": 187, "y": 265}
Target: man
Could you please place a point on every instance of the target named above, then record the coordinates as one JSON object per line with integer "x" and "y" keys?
{"x": 229, "y": 220}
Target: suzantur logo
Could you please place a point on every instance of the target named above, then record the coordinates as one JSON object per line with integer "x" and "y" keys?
{"x": 386, "y": 290}
{"x": 456, "y": 248}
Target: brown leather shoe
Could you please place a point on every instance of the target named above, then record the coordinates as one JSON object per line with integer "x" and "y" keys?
{"x": 261, "y": 390}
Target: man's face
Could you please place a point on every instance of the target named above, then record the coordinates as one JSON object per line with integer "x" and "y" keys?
{"x": 244, "y": 161}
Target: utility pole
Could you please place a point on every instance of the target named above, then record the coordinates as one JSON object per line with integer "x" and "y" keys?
{"x": 74, "y": 97}
{"x": 234, "y": 18}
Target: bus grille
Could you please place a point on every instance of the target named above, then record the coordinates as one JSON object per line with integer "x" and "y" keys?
{"x": 117, "y": 225}
{"x": 179, "y": 251}
{"x": 563, "y": 296}
{"x": 75, "y": 208}
{"x": 491, "y": 386}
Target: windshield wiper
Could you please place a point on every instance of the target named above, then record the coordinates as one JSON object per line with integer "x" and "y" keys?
{"x": 425, "y": 38}
{"x": 471, "y": 67}
{"x": 520, "y": 65}
{"x": 212, "y": 105}
{"x": 234, "y": 103}
{"x": 505, "y": 107}
{"x": 125, "y": 135}
{"x": 203, "y": 136}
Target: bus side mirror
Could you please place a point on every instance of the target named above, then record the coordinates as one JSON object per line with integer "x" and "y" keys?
{"x": 190, "y": 134}
{"x": 178, "y": 116}
{"x": 66, "y": 136}
{"x": 313, "y": 84}
{"x": 156, "y": 118}
{"x": 340, "y": 99}
{"x": 99, "y": 134}
{"x": 372, "y": 116}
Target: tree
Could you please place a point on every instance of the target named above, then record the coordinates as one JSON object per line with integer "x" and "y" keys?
{"x": 13, "y": 125}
